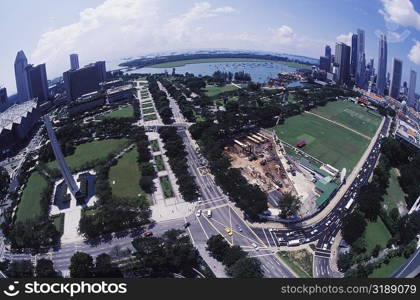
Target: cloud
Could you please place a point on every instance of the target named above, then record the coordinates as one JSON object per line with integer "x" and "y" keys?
{"x": 401, "y": 12}
{"x": 123, "y": 28}
{"x": 345, "y": 38}
{"x": 414, "y": 54}
{"x": 283, "y": 35}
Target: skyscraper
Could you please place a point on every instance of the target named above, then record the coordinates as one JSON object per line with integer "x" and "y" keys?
{"x": 84, "y": 80}
{"x": 325, "y": 63}
{"x": 396, "y": 79}
{"x": 382, "y": 61}
{"x": 74, "y": 61}
{"x": 412, "y": 89}
{"x": 342, "y": 59}
{"x": 328, "y": 51}
{"x": 353, "y": 63}
{"x": 37, "y": 82}
{"x": 21, "y": 77}
{"x": 3, "y": 99}
{"x": 361, "y": 60}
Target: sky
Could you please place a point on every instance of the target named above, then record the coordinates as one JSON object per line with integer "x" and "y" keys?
{"x": 48, "y": 31}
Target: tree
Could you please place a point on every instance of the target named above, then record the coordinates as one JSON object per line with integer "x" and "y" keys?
{"x": 232, "y": 255}
{"x": 217, "y": 246}
{"x": 344, "y": 261}
{"x": 354, "y": 225}
{"x": 81, "y": 265}
{"x": 369, "y": 200}
{"x": 289, "y": 205}
{"x": 246, "y": 267}
{"x": 376, "y": 250}
{"x": 104, "y": 267}
{"x": 45, "y": 269}
{"x": 20, "y": 269}
{"x": 4, "y": 181}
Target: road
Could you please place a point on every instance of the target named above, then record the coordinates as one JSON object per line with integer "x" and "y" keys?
{"x": 411, "y": 268}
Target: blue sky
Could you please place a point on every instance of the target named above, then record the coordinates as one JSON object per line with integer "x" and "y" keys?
{"x": 48, "y": 31}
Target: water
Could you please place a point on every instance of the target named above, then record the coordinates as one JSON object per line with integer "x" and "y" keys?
{"x": 259, "y": 71}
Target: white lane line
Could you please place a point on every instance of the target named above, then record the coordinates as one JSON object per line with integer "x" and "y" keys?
{"x": 273, "y": 238}
{"x": 202, "y": 227}
{"x": 266, "y": 238}
{"x": 189, "y": 231}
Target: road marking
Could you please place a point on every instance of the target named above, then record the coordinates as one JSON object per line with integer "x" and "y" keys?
{"x": 189, "y": 231}
{"x": 201, "y": 225}
{"x": 263, "y": 230}
{"x": 217, "y": 230}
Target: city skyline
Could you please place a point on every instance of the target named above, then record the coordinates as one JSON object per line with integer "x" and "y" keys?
{"x": 78, "y": 27}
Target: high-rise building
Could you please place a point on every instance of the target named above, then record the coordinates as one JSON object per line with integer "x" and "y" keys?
{"x": 325, "y": 63}
{"x": 3, "y": 99}
{"x": 411, "y": 101}
{"x": 21, "y": 77}
{"x": 342, "y": 59}
{"x": 382, "y": 61}
{"x": 396, "y": 79}
{"x": 74, "y": 61}
{"x": 38, "y": 82}
{"x": 85, "y": 80}
{"x": 327, "y": 51}
{"x": 361, "y": 80}
{"x": 353, "y": 63}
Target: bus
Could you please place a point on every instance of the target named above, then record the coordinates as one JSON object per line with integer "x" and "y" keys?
{"x": 349, "y": 204}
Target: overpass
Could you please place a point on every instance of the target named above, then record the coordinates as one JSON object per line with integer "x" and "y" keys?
{"x": 68, "y": 177}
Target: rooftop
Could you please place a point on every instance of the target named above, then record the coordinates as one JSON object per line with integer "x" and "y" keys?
{"x": 119, "y": 89}
{"x": 15, "y": 114}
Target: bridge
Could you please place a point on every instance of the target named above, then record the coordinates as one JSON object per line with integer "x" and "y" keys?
{"x": 68, "y": 177}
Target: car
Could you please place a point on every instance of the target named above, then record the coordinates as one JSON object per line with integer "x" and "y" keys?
{"x": 324, "y": 247}
{"x": 198, "y": 213}
{"x": 255, "y": 246}
{"x": 228, "y": 231}
{"x": 209, "y": 214}
{"x": 186, "y": 225}
{"x": 289, "y": 233}
{"x": 314, "y": 231}
{"x": 281, "y": 239}
{"x": 307, "y": 240}
{"x": 332, "y": 240}
{"x": 328, "y": 223}
{"x": 239, "y": 228}
{"x": 148, "y": 233}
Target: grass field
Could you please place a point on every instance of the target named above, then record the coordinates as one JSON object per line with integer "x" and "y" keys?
{"x": 182, "y": 63}
{"x": 126, "y": 176}
{"x": 150, "y": 117}
{"x": 155, "y": 145}
{"x": 166, "y": 187}
{"x": 58, "y": 221}
{"x": 293, "y": 265}
{"x": 148, "y": 110}
{"x": 212, "y": 90}
{"x": 326, "y": 141}
{"x": 394, "y": 194}
{"x": 351, "y": 115}
{"x": 96, "y": 150}
{"x": 376, "y": 234}
{"x": 126, "y": 112}
{"x": 29, "y": 205}
{"x": 386, "y": 270}
{"x": 159, "y": 163}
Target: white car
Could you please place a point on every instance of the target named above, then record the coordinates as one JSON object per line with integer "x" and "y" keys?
{"x": 280, "y": 239}
{"x": 324, "y": 247}
{"x": 328, "y": 223}
{"x": 332, "y": 240}
{"x": 289, "y": 233}
{"x": 314, "y": 231}
{"x": 255, "y": 246}
{"x": 198, "y": 214}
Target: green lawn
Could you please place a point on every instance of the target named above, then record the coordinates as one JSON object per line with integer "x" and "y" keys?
{"x": 29, "y": 206}
{"x": 166, "y": 187}
{"x": 126, "y": 176}
{"x": 155, "y": 145}
{"x": 394, "y": 194}
{"x": 126, "y": 112}
{"x": 150, "y": 117}
{"x": 148, "y": 110}
{"x": 88, "y": 152}
{"x": 326, "y": 141}
{"x": 159, "y": 163}
{"x": 385, "y": 270}
{"x": 351, "y": 115}
{"x": 212, "y": 90}
{"x": 181, "y": 63}
{"x": 58, "y": 221}
{"x": 292, "y": 265}
{"x": 376, "y": 233}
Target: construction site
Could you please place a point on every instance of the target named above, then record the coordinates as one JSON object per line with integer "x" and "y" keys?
{"x": 263, "y": 161}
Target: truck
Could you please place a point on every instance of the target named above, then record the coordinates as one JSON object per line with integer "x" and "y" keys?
{"x": 349, "y": 204}
{"x": 292, "y": 243}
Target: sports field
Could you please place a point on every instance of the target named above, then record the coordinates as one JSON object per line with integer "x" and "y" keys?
{"x": 326, "y": 141}
{"x": 351, "y": 115}
{"x": 126, "y": 112}
{"x": 29, "y": 206}
{"x": 88, "y": 152}
{"x": 212, "y": 90}
{"x": 124, "y": 177}
{"x": 376, "y": 233}
{"x": 386, "y": 270}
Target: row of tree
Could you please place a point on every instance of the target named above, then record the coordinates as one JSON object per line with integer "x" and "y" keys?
{"x": 237, "y": 262}
{"x": 161, "y": 101}
{"x": 175, "y": 150}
